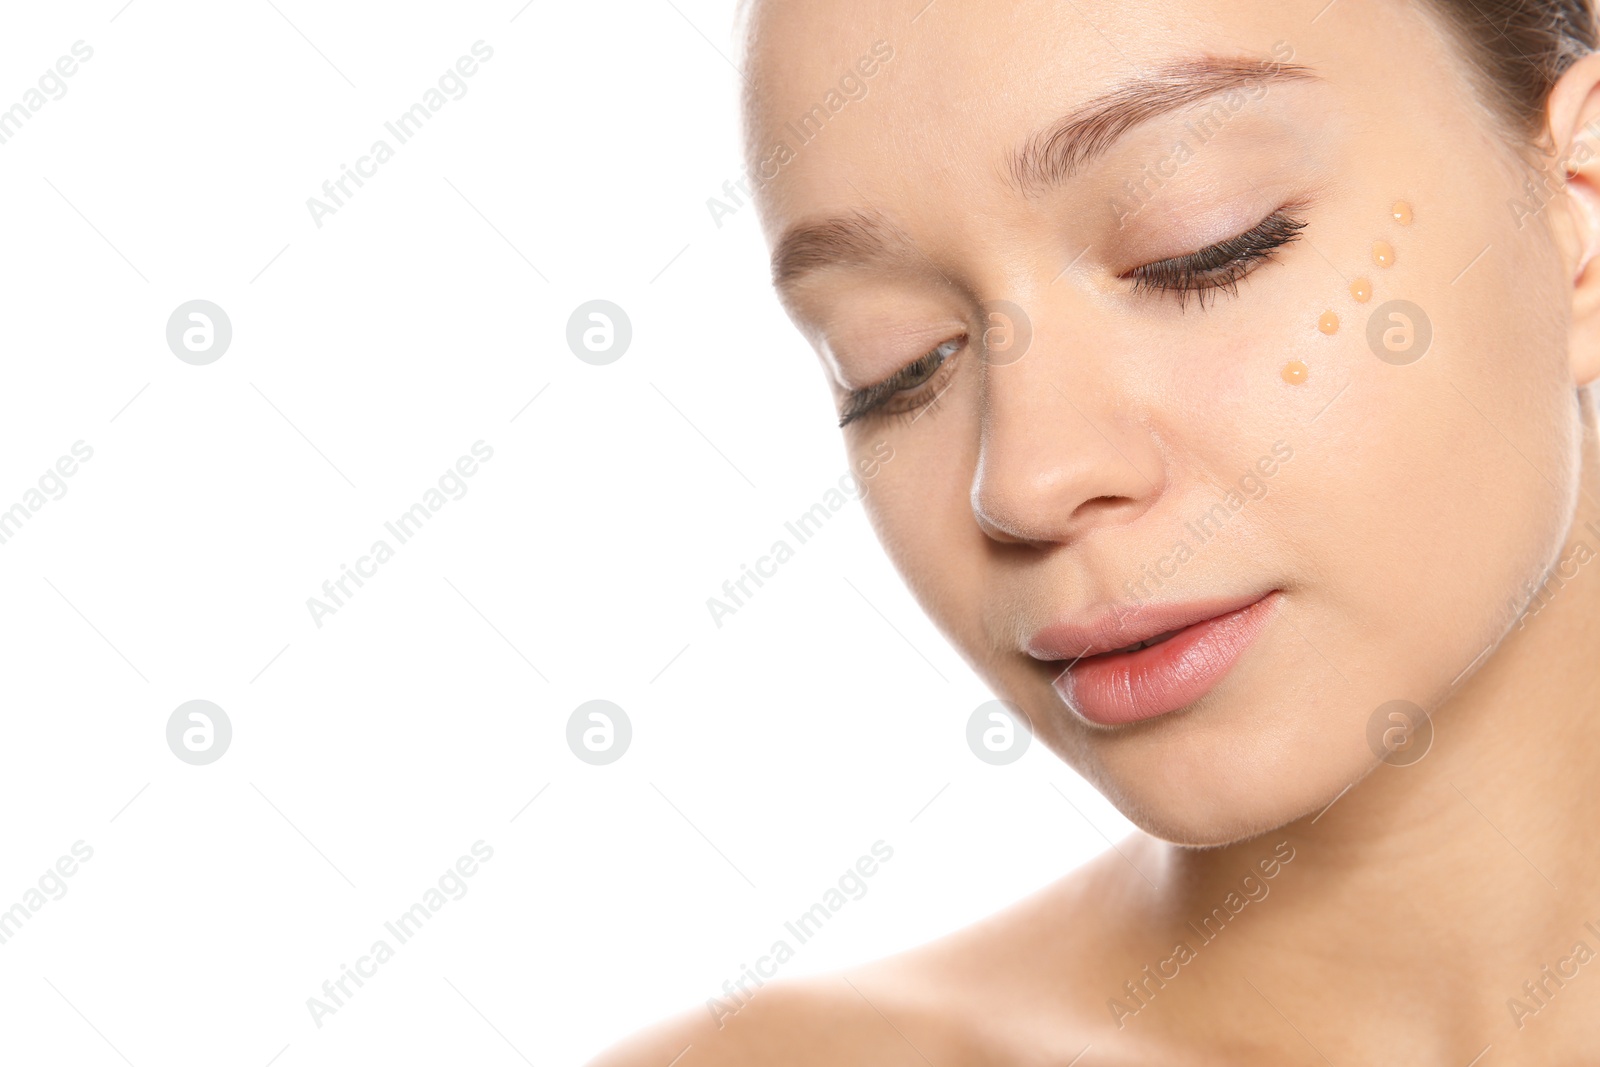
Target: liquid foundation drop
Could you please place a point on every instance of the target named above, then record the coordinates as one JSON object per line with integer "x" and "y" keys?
{"x": 1361, "y": 289}
{"x": 1295, "y": 372}
{"x": 1329, "y": 323}
{"x": 1402, "y": 213}
{"x": 1383, "y": 253}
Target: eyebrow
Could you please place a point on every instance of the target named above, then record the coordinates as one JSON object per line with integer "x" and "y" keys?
{"x": 1044, "y": 160}
{"x": 1064, "y": 148}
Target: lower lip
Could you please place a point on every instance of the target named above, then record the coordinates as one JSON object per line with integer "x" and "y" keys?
{"x": 1124, "y": 687}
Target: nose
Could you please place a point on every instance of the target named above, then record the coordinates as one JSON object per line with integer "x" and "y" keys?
{"x": 1061, "y": 453}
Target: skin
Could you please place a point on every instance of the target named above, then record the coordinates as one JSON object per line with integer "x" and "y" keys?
{"x": 1421, "y": 507}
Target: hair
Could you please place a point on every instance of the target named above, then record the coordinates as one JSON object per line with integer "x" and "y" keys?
{"x": 1517, "y": 51}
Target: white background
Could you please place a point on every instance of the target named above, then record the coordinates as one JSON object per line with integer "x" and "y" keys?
{"x": 370, "y": 753}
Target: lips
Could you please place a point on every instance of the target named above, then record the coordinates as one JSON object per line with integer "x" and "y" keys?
{"x": 1126, "y": 669}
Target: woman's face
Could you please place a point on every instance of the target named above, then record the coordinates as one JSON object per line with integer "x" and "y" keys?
{"x": 1091, "y": 247}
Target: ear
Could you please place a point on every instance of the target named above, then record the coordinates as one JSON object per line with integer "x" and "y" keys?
{"x": 1574, "y": 112}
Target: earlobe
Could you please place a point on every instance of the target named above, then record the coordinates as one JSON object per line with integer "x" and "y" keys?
{"x": 1589, "y": 229}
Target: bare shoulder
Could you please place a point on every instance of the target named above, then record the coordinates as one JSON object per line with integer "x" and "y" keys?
{"x": 1018, "y": 987}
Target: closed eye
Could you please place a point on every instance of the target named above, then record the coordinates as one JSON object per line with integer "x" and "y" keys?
{"x": 907, "y": 389}
{"x": 1219, "y": 267}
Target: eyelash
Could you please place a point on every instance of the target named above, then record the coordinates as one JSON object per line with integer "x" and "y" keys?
{"x": 1219, "y": 267}
{"x": 1216, "y": 268}
{"x": 877, "y": 399}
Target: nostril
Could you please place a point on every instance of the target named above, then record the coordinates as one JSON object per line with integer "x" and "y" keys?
{"x": 1101, "y": 505}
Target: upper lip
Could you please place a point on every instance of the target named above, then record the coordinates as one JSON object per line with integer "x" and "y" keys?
{"x": 1113, "y": 629}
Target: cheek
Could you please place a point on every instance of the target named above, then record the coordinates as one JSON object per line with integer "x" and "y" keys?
{"x": 1429, "y": 495}
{"x": 919, "y": 504}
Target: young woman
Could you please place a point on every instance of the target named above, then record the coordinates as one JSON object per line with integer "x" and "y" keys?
{"x": 1235, "y": 357}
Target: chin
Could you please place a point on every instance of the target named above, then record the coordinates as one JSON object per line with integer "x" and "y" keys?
{"x": 1213, "y": 829}
{"x": 1211, "y": 819}
{"x": 1218, "y": 774}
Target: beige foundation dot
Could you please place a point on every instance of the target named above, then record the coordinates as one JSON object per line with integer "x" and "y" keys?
{"x": 1402, "y": 213}
{"x": 1383, "y": 253}
{"x": 1295, "y": 372}
{"x": 1329, "y": 323}
{"x": 1361, "y": 289}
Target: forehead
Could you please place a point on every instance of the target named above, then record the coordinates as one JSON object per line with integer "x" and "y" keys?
{"x": 954, "y": 87}
{"x": 963, "y": 64}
